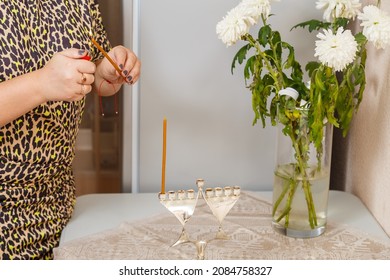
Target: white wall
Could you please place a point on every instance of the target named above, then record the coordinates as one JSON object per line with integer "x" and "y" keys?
{"x": 186, "y": 78}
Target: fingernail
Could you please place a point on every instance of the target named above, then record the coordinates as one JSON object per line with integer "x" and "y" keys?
{"x": 125, "y": 72}
{"x": 121, "y": 66}
{"x": 129, "y": 78}
{"x": 81, "y": 52}
{"x": 86, "y": 57}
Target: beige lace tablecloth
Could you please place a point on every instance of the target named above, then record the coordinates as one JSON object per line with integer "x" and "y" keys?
{"x": 249, "y": 226}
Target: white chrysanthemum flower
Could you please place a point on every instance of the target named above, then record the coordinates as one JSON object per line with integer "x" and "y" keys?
{"x": 339, "y": 8}
{"x": 256, "y": 8}
{"x": 234, "y": 25}
{"x": 376, "y": 26}
{"x": 238, "y": 21}
{"x": 336, "y": 50}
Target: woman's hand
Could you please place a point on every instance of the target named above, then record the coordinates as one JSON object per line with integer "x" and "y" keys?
{"x": 67, "y": 77}
{"x": 127, "y": 62}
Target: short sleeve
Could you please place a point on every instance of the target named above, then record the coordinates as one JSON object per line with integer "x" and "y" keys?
{"x": 99, "y": 32}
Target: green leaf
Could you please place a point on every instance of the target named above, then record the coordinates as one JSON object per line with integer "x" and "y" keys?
{"x": 240, "y": 56}
{"x": 255, "y": 104}
{"x": 264, "y": 34}
{"x": 360, "y": 38}
{"x": 249, "y": 67}
{"x": 276, "y": 38}
{"x": 318, "y": 78}
{"x": 313, "y": 25}
{"x": 290, "y": 61}
{"x": 341, "y": 22}
{"x": 311, "y": 67}
{"x": 274, "y": 111}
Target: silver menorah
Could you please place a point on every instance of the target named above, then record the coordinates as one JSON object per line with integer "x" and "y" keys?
{"x": 182, "y": 204}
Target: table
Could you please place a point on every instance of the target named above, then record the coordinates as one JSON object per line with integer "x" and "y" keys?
{"x": 99, "y": 217}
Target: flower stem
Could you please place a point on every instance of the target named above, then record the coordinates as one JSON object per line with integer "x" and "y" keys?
{"x": 271, "y": 70}
{"x": 299, "y": 141}
{"x": 280, "y": 198}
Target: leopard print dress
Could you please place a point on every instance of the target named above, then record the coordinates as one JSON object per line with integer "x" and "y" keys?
{"x": 37, "y": 188}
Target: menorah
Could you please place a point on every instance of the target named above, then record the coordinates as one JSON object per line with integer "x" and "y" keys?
{"x": 182, "y": 204}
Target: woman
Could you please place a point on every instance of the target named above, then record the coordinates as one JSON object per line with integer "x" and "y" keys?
{"x": 47, "y": 66}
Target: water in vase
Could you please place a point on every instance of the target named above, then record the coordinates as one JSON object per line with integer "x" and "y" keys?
{"x": 296, "y": 223}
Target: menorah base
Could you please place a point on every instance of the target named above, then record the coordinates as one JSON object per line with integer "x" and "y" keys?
{"x": 183, "y": 238}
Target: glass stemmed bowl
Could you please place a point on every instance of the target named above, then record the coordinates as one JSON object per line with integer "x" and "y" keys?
{"x": 221, "y": 201}
{"x": 181, "y": 204}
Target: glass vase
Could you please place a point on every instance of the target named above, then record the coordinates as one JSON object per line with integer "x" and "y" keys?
{"x": 301, "y": 182}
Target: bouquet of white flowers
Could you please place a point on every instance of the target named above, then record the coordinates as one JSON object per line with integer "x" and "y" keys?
{"x": 336, "y": 80}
